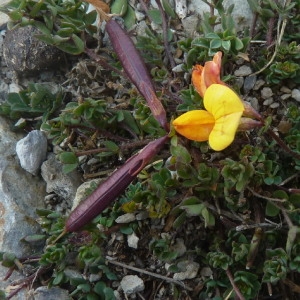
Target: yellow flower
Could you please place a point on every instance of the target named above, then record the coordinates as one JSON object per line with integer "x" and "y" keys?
{"x": 204, "y": 76}
{"x": 218, "y": 123}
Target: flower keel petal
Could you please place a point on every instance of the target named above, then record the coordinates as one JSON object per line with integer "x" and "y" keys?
{"x": 195, "y": 125}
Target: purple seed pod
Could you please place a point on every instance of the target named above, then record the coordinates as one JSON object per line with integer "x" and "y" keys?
{"x": 136, "y": 70}
{"x": 113, "y": 186}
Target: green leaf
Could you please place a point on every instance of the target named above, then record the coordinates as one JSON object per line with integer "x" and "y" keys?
{"x": 155, "y": 16}
{"x": 119, "y": 7}
{"x": 68, "y": 158}
{"x": 226, "y": 45}
{"x": 215, "y": 43}
{"x": 272, "y": 210}
{"x": 168, "y": 8}
{"x": 201, "y": 42}
{"x": 129, "y": 18}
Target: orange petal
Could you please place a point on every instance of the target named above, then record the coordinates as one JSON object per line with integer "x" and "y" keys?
{"x": 197, "y": 80}
{"x": 195, "y": 125}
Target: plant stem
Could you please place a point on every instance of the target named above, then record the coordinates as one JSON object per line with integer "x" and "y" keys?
{"x": 281, "y": 143}
{"x": 236, "y": 289}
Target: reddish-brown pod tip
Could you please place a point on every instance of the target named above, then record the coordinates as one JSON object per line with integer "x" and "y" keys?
{"x": 135, "y": 68}
{"x": 112, "y": 187}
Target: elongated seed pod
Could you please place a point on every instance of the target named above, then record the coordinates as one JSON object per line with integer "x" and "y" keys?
{"x": 112, "y": 187}
{"x": 136, "y": 70}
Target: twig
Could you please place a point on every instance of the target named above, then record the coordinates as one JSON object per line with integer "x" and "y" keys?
{"x": 280, "y": 142}
{"x": 103, "y": 62}
{"x": 278, "y": 42}
{"x": 236, "y": 289}
{"x": 266, "y": 198}
{"x": 165, "y": 278}
{"x": 165, "y": 34}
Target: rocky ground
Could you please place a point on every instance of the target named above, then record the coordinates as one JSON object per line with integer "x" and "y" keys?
{"x": 31, "y": 177}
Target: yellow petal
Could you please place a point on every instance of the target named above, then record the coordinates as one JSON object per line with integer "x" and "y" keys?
{"x": 220, "y": 101}
{"x": 224, "y": 131}
{"x": 195, "y": 125}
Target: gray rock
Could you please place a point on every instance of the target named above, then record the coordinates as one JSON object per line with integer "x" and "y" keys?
{"x": 268, "y": 101}
{"x": 285, "y": 96}
{"x": 126, "y": 218}
{"x": 132, "y": 240}
{"x": 266, "y": 93}
{"x": 20, "y": 195}
{"x": 258, "y": 84}
{"x": 32, "y": 151}
{"x": 84, "y": 190}
{"x": 249, "y": 83}
{"x": 132, "y": 284}
{"x": 241, "y": 14}
{"x": 191, "y": 269}
{"x": 296, "y": 94}
{"x": 31, "y": 55}
{"x": 190, "y": 25}
{"x": 243, "y": 71}
{"x": 181, "y": 8}
{"x": 64, "y": 185}
{"x": 53, "y": 293}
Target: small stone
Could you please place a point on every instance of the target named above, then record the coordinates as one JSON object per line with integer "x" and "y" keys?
{"x": 285, "y": 96}
{"x": 14, "y": 88}
{"x": 142, "y": 215}
{"x": 249, "y": 83}
{"x": 274, "y": 105}
{"x": 266, "y": 93}
{"x": 178, "y": 68}
{"x": 285, "y": 90}
{"x": 64, "y": 185}
{"x": 190, "y": 24}
{"x": 296, "y": 94}
{"x": 84, "y": 190}
{"x": 32, "y": 151}
{"x": 53, "y": 293}
{"x": 258, "y": 84}
{"x": 254, "y": 102}
{"x": 139, "y": 16}
{"x": 243, "y": 71}
{"x": 239, "y": 82}
{"x": 190, "y": 270}
{"x": 181, "y": 8}
{"x": 206, "y": 272}
{"x": 132, "y": 240}
{"x": 132, "y": 284}
{"x": 268, "y": 102}
{"x": 126, "y": 218}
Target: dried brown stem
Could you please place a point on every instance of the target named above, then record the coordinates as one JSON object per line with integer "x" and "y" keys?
{"x": 165, "y": 278}
{"x": 165, "y": 34}
{"x": 234, "y": 286}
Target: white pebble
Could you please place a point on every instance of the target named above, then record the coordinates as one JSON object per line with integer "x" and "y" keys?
{"x": 191, "y": 270}
{"x": 268, "y": 102}
{"x": 266, "y": 93}
{"x": 132, "y": 284}
{"x": 132, "y": 241}
{"x": 126, "y": 218}
{"x": 296, "y": 94}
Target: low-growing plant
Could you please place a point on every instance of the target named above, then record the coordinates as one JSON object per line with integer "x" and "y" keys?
{"x": 236, "y": 208}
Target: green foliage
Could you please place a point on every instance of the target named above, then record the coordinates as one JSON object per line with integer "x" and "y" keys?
{"x": 161, "y": 249}
{"x": 61, "y": 23}
{"x": 275, "y": 266}
{"x": 37, "y": 100}
{"x": 219, "y": 259}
